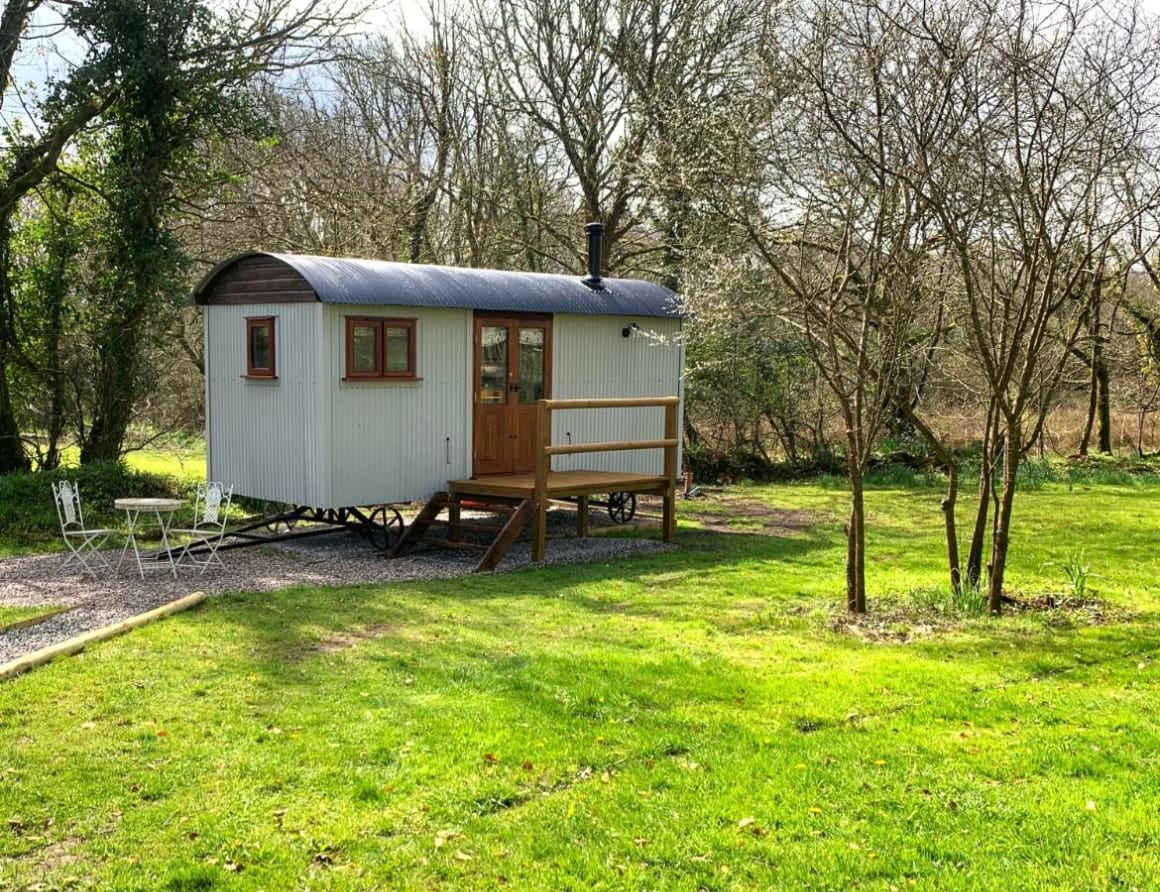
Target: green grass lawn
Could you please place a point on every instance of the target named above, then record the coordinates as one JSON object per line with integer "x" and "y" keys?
{"x": 10, "y": 615}
{"x": 700, "y": 719}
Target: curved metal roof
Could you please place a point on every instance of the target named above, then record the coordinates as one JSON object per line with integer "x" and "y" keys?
{"x": 344, "y": 280}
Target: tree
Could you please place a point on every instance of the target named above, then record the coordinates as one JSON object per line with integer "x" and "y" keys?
{"x": 183, "y": 73}
{"x": 1060, "y": 100}
{"x": 597, "y": 81}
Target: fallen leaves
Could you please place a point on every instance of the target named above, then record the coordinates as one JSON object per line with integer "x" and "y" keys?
{"x": 445, "y": 836}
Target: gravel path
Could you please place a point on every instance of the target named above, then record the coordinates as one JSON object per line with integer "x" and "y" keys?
{"x": 339, "y": 559}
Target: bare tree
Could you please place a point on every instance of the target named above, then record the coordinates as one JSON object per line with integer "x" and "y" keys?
{"x": 1060, "y": 100}
{"x": 594, "y": 78}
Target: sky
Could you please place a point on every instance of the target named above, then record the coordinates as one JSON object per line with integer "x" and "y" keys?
{"x": 51, "y": 49}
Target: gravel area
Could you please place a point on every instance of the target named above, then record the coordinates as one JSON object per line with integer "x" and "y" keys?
{"x": 329, "y": 560}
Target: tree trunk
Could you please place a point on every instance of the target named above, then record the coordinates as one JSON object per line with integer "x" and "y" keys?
{"x": 116, "y": 387}
{"x": 1089, "y": 423}
{"x": 952, "y": 534}
{"x": 986, "y": 482}
{"x": 12, "y": 457}
{"x": 1103, "y": 382}
{"x": 1002, "y": 532}
{"x": 856, "y": 546}
{"x": 56, "y": 379}
{"x": 948, "y": 503}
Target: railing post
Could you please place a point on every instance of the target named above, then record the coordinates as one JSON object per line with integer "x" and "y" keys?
{"x": 543, "y": 466}
{"x": 669, "y": 528}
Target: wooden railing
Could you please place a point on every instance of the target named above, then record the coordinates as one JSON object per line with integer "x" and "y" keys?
{"x": 545, "y": 450}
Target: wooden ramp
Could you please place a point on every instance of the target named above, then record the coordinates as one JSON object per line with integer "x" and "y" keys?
{"x": 525, "y": 497}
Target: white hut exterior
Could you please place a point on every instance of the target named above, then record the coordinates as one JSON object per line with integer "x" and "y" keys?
{"x": 340, "y": 382}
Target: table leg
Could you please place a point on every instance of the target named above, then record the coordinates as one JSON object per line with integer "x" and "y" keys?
{"x": 131, "y": 541}
{"x": 164, "y": 525}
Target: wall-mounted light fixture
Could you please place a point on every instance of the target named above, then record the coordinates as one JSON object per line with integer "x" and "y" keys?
{"x": 630, "y": 331}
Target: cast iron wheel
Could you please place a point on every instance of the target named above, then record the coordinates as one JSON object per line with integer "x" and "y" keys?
{"x": 622, "y": 506}
{"x": 386, "y": 525}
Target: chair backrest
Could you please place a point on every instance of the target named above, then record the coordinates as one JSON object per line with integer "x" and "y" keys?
{"x": 68, "y": 504}
{"x": 212, "y": 504}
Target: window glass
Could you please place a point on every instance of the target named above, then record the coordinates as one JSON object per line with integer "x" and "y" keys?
{"x": 493, "y": 364}
{"x": 260, "y": 346}
{"x": 364, "y": 349}
{"x": 531, "y": 364}
{"x": 398, "y": 349}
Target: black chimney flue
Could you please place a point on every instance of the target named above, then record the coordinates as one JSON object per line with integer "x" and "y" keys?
{"x": 595, "y": 243}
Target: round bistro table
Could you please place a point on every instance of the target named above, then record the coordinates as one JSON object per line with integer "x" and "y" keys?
{"x": 163, "y": 510}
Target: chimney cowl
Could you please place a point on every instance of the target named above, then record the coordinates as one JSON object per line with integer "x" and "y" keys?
{"x": 595, "y": 233}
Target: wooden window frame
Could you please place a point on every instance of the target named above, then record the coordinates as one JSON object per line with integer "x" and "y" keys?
{"x": 261, "y": 372}
{"x": 380, "y": 324}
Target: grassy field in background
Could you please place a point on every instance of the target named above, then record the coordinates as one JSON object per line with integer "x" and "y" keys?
{"x": 701, "y": 719}
{"x": 185, "y": 463}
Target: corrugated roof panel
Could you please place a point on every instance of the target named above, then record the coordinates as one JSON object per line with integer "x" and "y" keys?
{"x": 378, "y": 282}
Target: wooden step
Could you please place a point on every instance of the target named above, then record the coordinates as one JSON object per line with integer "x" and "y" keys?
{"x": 472, "y": 525}
{"x": 480, "y": 508}
{"x": 414, "y": 533}
{"x": 504, "y": 541}
{"x": 506, "y": 534}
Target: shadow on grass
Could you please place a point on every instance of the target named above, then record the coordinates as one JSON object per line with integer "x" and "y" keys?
{"x": 287, "y": 627}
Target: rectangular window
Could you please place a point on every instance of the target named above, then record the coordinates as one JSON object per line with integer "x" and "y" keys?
{"x": 379, "y": 349}
{"x": 260, "y": 347}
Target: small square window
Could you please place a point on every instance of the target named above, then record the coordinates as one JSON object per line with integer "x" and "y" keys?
{"x": 260, "y": 347}
{"x": 380, "y": 348}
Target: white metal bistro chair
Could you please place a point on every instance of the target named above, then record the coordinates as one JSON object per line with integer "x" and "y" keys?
{"x": 83, "y": 544}
{"x": 211, "y": 510}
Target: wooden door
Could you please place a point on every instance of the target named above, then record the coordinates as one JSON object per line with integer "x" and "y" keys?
{"x": 513, "y": 369}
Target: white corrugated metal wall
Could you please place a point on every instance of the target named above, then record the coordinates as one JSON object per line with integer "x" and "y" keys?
{"x": 401, "y": 440}
{"x": 591, "y": 358}
{"x": 264, "y": 437}
{"x": 311, "y": 438}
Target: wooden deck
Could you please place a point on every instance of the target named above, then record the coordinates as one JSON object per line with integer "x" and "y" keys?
{"x": 561, "y": 484}
{"x": 525, "y": 497}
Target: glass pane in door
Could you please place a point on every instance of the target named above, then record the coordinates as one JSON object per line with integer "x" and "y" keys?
{"x": 493, "y": 364}
{"x": 531, "y": 364}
